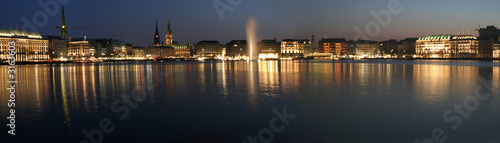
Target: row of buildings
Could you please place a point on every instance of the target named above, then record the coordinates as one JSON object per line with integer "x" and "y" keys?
{"x": 31, "y": 46}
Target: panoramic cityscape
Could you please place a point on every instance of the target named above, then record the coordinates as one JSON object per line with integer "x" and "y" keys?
{"x": 250, "y": 71}
{"x": 35, "y": 47}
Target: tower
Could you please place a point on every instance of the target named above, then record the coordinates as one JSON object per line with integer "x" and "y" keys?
{"x": 168, "y": 35}
{"x": 157, "y": 35}
{"x": 64, "y": 31}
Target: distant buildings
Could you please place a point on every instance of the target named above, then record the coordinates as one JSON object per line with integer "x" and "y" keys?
{"x": 29, "y": 45}
{"x": 294, "y": 48}
{"x": 209, "y": 50}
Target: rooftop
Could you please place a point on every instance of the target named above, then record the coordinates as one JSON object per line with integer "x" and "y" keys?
{"x": 436, "y": 37}
{"x": 20, "y": 34}
{"x": 332, "y": 40}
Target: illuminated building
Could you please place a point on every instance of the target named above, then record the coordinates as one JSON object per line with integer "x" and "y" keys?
{"x": 209, "y": 50}
{"x": 237, "y": 49}
{"x": 156, "y": 36}
{"x": 269, "y": 49}
{"x": 29, "y": 45}
{"x": 294, "y": 48}
{"x": 183, "y": 50}
{"x": 496, "y": 51}
{"x": 138, "y": 52}
{"x": 435, "y": 46}
{"x": 162, "y": 51}
{"x": 168, "y": 35}
{"x": 58, "y": 47}
{"x": 79, "y": 49}
{"x": 366, "y": 48}
{"x": 336, "y": 46}
{"x": 121, "y": 49}
{"x": 447, "y": 46}
{"x": 464, "y": 46}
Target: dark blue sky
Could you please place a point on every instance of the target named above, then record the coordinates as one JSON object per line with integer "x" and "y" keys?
{"x": 195, "y": 20}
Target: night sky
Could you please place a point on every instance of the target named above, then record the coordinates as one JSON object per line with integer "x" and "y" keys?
{"x": 195, "y": 20}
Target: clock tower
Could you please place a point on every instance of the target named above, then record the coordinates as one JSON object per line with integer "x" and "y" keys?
{"x": 168, "y": 36}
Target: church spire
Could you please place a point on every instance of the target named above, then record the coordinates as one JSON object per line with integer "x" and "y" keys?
{"x": 169, "y": 31}
{"x": 63, "y": 30}
{"x": 157, "y": 35}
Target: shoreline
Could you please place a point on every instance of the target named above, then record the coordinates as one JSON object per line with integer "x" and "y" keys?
{"x": 183, "y": 60}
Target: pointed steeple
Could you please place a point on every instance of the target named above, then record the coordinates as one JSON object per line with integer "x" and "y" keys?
{"x": 169, "y": 31}
{"x": 64, "y": 32}
{"x": 157, "y": 35}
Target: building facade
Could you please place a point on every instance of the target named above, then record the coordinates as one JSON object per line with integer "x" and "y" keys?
{"x": 488, "y": 37}
{"x": 337, "y": 46}
{"x": 163, "y": 51}
{"x": 447, "y": 46}
{"x": 269, "y": 49}
{"x": 294, "y": 48}
{"x": 496, "y": 51}
{"x": 464, "y": 46}
{"x": 183, "y": 50}
{"x": 58, "y": 47}
{"x": 366, "y": 48}
{"x": 79, "y": 49}
{"x": 388, "y": 48}
{"x": 434, "y": 46}
{"x": 29, "y": 45}
{"x": 209, "y": 50}
{"x": 237, "y": 49}
{"x": 407, "y": 47}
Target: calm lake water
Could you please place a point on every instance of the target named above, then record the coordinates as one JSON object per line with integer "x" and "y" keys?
{"x": 331, "y": 101}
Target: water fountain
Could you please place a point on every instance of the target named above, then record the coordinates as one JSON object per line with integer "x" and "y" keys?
{"x": 251, "y": 38}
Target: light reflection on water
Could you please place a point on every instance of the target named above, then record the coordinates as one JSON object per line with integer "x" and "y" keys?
{"x": 335, "y": 101}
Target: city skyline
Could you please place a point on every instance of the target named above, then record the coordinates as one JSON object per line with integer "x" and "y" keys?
{"x": 199, "y": 20}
